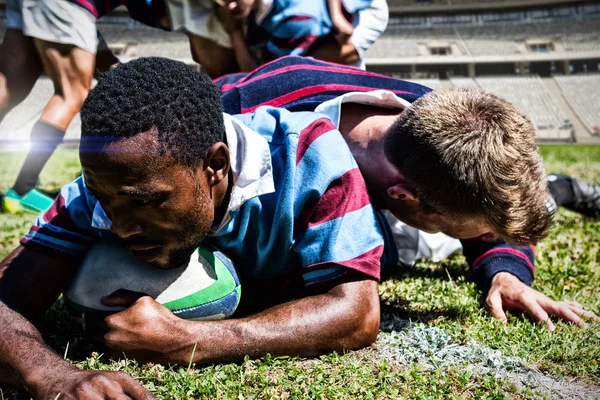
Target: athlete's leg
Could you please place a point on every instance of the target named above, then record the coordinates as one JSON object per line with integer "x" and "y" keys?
{"x": 70, "y": 69}
{"x": 20, "y": 67}
{"x": 575, "y": 194}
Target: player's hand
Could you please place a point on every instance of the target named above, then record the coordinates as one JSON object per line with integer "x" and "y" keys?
{"x": 342, "y": 29}
{"x": 230, "y": 23}
{"x": 74, "y": 383}
{"x": 507, "y": 292}
{"x": 145, "y": 325}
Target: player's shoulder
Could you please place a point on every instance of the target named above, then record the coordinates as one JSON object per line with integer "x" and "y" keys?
{"x": 281, "y": 125}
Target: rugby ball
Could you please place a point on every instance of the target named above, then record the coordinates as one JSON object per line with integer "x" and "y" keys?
{"x": 207, "y": 288}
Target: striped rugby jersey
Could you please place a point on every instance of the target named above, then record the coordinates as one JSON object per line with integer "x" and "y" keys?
{"x": 291, "y": 27}
{"x": 292, "y": 219}
{"x": 302, "y": 84}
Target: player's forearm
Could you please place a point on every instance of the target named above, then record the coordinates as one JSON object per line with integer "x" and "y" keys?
{"x": 244, "y": 57}
{"x": 30, "y": 282}
{"x": 305, "y": 327}
{"x": 335, "y": 9}
{"x": 24, "y": 357}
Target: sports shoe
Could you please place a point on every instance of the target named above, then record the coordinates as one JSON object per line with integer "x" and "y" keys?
{"x": 32, "y": 202}
{"x": 586, "y": 196}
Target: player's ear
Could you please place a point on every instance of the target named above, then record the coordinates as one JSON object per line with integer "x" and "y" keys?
{"x": 217, "y": 163}
{"x": 401, "y": 191}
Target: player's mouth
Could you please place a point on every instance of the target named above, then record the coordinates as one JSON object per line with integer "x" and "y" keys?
{"x": 144, "y": 252}
{"x": 147, "y": 255}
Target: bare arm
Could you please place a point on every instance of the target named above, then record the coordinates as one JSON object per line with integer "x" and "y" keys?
{"x": 30, "y": 282}
{"x": 244, "y": 57}
{"x": 341, "y": 26}
{"x": 344, "y": 317}
{"x": 234, "y": 26}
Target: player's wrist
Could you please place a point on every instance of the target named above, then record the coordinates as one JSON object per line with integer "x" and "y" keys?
{"x": 43, "y": 377}
{"x": 503, "y": 277}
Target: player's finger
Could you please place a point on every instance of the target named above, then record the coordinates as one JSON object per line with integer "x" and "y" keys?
{"x": 583, "y": 313}
{"x": 494, "y": 304}
{"x": 134, "y": 389}
{"x": 576, "y": 304}
{"x": 566, "y": 312}
{"x": 533, "y": 308}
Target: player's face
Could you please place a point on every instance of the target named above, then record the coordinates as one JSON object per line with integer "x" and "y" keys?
{"x": 413, "y": 214}
{"x": 240, "y": 9}
{"x": 159, "y": 209}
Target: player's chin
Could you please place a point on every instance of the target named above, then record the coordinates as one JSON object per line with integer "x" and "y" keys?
{"x": 173, "y": 259}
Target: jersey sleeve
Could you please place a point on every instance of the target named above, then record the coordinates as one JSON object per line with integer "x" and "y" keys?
{"x": 336, "y": 227}
{"x": 65, "y": 229}
{"x": 487, "y": 259}
{"x": 292, "y": 36}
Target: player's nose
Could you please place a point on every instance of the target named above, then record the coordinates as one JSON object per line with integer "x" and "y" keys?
{"x": 125, "y": 227}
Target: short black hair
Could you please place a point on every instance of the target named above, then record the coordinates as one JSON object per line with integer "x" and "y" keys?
{"x": 182, "y": 105}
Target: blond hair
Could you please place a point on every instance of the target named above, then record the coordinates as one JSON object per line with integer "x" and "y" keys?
{"x": 470, "y": 154}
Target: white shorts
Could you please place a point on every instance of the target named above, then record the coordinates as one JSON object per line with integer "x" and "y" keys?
{"x": 57, "y": 21}
{"x": 197, "y": 17}
{"x": 369, "y": 25}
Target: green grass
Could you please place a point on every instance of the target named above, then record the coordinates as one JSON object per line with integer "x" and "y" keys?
{"x": 433, "y": 294}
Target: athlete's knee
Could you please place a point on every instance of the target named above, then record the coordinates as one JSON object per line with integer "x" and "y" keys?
{"x": 74, "y": 98}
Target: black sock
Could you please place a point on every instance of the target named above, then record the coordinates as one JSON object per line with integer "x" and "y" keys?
{"x": 44, "y": 140}
{"x": 562, "y": 190}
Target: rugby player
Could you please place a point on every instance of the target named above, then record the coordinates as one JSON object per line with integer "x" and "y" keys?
{"x": 163, "y": 170}
{"x": 416, "y": 192}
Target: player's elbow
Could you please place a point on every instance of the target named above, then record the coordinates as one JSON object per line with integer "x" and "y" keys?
{"x": 366, "y": 333}
{"x": 365, "y": 325}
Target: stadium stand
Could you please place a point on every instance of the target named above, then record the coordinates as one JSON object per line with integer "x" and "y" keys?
{"x": 431, "y": 83}
{"x": 440, "y": 43}
{"x": 462, "y": 82}
{"x": 398, "y": 42}
{"x": 491, "y": 39}
{"x": 529, "y": 95}
{"x": 582, "y": 92}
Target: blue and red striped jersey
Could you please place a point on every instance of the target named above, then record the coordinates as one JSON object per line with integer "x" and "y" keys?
{"x": 291, "y": 27}
{"x": 302, "y": 84}
{"x": 300, "y": 233}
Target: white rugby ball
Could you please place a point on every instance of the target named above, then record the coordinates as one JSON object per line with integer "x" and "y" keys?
{"x": 207, "y": 288}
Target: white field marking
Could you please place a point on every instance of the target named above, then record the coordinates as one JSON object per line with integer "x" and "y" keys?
{"x": 406, "y": 344}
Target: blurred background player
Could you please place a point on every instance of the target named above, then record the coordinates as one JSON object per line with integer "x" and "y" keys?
{"x": 57, "y": 37}
{"x": 231, "y": 36}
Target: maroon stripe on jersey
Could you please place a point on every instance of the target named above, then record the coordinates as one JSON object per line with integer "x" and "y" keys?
{"x": 310, "y": 90}
{"x": 345, "y": 194}
{"x": 301, "y": 42}
{"x": 334, "y": 69}
{"x": 297, "y": 18}
{"x": 89, "y": 6}
{"x": 367, "y": 263}
{"x": 57, "y": 215}
{"x": 504, "y": 250}
{"x": 311, "y": 133}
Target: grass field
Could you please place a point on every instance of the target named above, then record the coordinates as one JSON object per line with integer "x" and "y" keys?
{"x": 436, "y": 339}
